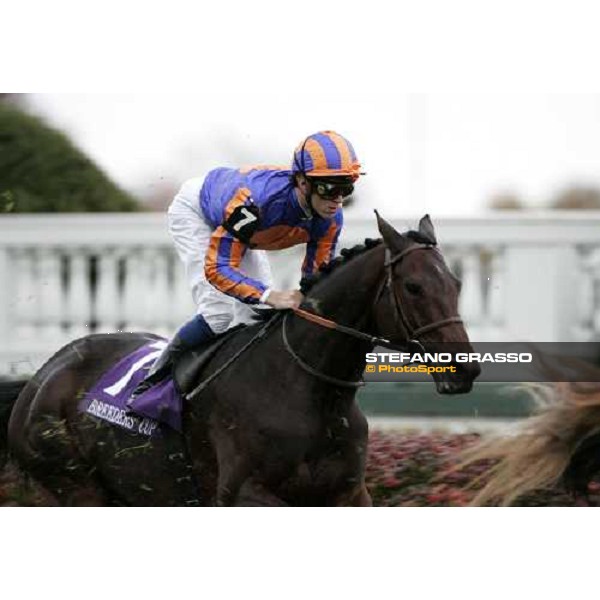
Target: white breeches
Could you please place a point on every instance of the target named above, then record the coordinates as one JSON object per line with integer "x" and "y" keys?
{"x": 191, "y": 235}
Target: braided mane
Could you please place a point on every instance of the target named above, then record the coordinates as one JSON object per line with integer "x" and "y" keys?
{"x": 346, "y": 254}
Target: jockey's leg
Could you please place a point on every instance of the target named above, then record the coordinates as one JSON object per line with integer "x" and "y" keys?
{"x": 191, "y": 235}
{"x": 192, "y": 335}
{"x": 217, "y": 312}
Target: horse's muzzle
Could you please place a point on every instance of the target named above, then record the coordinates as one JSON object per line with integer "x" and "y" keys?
{"x": 454, "y": 387}
{"x": 460, "y": 382}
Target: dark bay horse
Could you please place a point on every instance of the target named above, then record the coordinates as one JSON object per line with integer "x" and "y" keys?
{"x": 280, "y": 426}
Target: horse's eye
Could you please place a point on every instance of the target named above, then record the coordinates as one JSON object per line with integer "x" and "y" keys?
{"x": 413, "y": 288}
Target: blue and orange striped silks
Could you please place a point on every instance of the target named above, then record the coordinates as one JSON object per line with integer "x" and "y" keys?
{"x": 224, "y": 256}
{"x": 322, "y": 251}
{"x": 279, "y": 237}
{"x": 221, "y": 268}
{"x": 282, "y": 223}
{"x": 326, "y": 154}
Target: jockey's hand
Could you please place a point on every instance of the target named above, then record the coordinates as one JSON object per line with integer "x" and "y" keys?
{"x": 286, "y": 299}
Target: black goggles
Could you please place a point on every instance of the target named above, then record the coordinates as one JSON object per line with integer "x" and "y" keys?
{"x": 330, "y": 190}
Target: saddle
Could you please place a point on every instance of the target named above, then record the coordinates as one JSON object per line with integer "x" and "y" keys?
{"x": 109, "y": 399}
{"x": 188, "y": 367}
{"x": 163, "y": 401}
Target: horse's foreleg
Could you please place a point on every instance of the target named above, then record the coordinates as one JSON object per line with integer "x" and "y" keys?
{"x": 359, "y": 497}
{"x": 236, "y": 486}
{"x": 363, "y": 498}
{"x": 252, "y": 493}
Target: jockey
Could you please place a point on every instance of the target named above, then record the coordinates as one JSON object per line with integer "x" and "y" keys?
{"x": 222, "y": 225}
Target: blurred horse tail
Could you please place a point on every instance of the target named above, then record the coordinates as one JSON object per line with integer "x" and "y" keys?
{"x": 558, "y": 446}
{"x": 9, "y": 392}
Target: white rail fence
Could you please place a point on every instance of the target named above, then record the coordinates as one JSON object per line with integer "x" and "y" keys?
{"x": 525, "y": 277}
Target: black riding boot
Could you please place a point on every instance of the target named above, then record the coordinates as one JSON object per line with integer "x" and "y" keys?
{"x": 161, "y": 368}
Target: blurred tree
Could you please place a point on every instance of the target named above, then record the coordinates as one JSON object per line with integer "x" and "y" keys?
{"x": 12, "y": 98}
{"x": 42, "y": 171}
{"x": 506, "y": 201}
{"x": 577, "y": 197}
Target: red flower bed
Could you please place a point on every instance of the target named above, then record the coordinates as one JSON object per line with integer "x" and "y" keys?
{"x": 403, "y": 469}
{"x": 411, "y": 469}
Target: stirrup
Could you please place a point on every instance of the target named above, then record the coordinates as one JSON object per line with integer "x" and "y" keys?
{"x": 160, "y": 370}
{"x": 156, "y": 375}
{"x": 150, "y": 381}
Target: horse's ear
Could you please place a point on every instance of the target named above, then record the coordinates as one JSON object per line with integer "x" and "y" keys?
{"x": 426, "y": 229}
{"x": 395, "y": 241}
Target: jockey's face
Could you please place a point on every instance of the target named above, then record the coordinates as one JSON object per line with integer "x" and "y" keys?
{"x": 325, "y": 207}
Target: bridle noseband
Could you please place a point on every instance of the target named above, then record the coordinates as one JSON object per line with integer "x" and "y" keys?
{"x": 400, "y": 317}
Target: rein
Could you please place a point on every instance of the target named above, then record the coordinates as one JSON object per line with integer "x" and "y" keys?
{"x": 260, "y": 334}
{"x": 399, "y": 317}
{"x": 328, "y": 324}
{"x": 306, "y": 367}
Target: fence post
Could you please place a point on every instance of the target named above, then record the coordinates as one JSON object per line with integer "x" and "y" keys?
{"x": 5, "y": 308}
{"x": 539, "y": 289}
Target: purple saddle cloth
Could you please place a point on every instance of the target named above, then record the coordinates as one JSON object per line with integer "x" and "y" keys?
{"x": 108, "y": 399}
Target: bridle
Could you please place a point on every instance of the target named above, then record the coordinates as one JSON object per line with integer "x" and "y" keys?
{"x": 400, "y": 317}
{"x": 399, "y": 312}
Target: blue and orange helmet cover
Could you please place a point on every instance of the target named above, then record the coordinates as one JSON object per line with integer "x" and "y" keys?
{"x": 326, "y": 154}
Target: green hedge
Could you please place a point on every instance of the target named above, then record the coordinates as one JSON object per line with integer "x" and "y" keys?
{"x": 42, "y": 171}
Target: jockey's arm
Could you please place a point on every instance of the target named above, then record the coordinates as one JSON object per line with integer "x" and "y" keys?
{"x": 284, "y": 299}
{"x": 222, "y": 271}
{"x": 321, "y": 250}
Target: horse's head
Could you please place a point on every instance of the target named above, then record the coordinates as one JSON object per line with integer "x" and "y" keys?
{"x": 419, "y": 301}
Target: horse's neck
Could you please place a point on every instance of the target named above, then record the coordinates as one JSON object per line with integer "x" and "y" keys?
{"x": 346, "y": 297}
